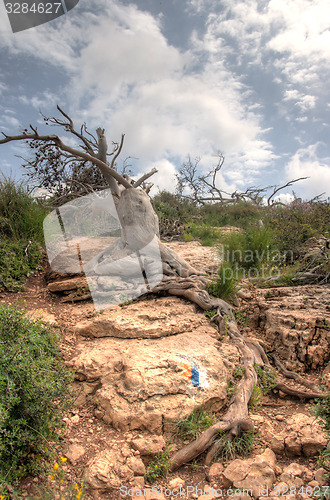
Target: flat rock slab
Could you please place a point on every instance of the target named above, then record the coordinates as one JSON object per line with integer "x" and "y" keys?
{"x": 147, "y": 383}
{"x": 150, "y": 319}
{"x": 198, "y": 256}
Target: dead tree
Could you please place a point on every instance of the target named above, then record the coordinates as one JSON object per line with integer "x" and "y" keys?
{"x": 139, "y": 226}
{"x": 204, "y": 188}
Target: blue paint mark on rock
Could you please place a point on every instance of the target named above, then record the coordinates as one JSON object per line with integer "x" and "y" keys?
{"x": 194, "y": 376}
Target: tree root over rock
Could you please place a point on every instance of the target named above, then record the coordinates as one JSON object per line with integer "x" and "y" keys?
{"x": 236, "y": 418}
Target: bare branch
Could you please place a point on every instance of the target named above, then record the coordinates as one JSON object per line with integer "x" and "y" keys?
{"x": 145, "y": 177}
{"x": 277, "y": 189}
{"x": 112, "y": 165}
{"x": 108, "y": 172}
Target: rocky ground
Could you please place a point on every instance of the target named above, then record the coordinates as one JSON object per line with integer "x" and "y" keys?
{"x": 135, "y": 367}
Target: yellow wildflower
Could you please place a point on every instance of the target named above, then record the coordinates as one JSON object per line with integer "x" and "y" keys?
{"x": 64, "y": 459}
{"x": 56, "y": 466}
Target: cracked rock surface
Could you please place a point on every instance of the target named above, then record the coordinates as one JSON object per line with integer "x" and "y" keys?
{"x": 149, "y": 364}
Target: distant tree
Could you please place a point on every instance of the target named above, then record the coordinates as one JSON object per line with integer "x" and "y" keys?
{"x": 203, "y": 189}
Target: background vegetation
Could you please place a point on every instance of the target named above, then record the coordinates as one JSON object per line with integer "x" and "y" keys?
{"x": 21, "y": 234}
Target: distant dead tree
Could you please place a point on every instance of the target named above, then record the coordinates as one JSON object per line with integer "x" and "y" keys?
{"x": 204, "y": 189}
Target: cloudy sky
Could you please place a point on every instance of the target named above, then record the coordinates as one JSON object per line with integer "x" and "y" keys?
{"x": 249, "y": 78}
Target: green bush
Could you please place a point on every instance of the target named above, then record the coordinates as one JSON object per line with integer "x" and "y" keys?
{"x": 21, "y": 235}
{"x": 295, "y": 223}
{"x": 16, "y": 264}
{"x": 224, "y": 284}
{"x": 172, "y": 206}
{"x": 21, "y": 217}
{"x": 239, "y": 445}
{"x": 322, "y": 410}
{"x": 267, "y": 378}
{"x": 248, "y": 250}
{"x": 191, "y": 426}
{"x": 33, "y": 392}
{"x": 158, "y": 467}
{"x": 208, "y": 235}
{"x": 237, "y": 214}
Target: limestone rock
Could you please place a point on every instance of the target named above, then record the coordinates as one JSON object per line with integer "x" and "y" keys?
{"x": 149, "y": 446}
{"x": 307, "y": 432}
{"x": 152, "y": 319}
{"x": 110, "y": 469}
{"x": 215, "y": 472}
{"x": 295, "y": 320}
{"x": 255, "y": 474}
{"x": 74, "y": 452}
{"x": 176, "y": 483}
{"x": 320, "y": 476}
{"x": 147, "y": 383}
{"x": 136, "y": 465}
{"x": 303, "y": 435}
{"x": 67, "y": 284}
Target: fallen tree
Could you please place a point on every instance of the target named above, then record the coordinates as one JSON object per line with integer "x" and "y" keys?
{"x": 139, "y": 227}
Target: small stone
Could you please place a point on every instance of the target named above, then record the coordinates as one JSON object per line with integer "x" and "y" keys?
{"x": 314, "y": 484}
{"x": 74, "y": 452}
{"x": 138, "y": 481}
{"x": 176, "y": 483}
{"x": 278, "y": 470}
{"x": 215, "y": 472}
{"x": 280, "y": 418}
{"x": 279, "y": 489}
{"x": 150, "y": 445}
{"x": 136, "y": 465}
{"x": 98, "y": 414}
{"x": 320, "y": 476}
{"x": 74, "y": 419}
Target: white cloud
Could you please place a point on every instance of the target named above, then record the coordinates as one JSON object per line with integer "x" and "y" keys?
{"x": 285, "y": 198}
{"x": 119, "y": 71}
{"x": 164, "y": 179}
{"x": 304, "y": 102}
{"x": 306, "y": 163}
{"x": 288, "y": 39}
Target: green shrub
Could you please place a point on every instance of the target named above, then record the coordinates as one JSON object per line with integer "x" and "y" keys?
{"x": 207, "y": 235}
{"x": 239, "y": 445}
{"x": 172, "y": 206}
{"x": 254, "y": 401}
{"x": 58, "y": 487}
{"x": 295, "y": 223}
{"x": 16, "y": 264}
{"x": 21, "y": 217}
{"x": 224, "y": 284}
{"x": 238, "y": 214}
{"x": 267, "y": 378}
{"x": 21, "y": 235}
{"x": 322, "y": 410}
{"x": 191, "y": 426}
{"x": 33, "y": 392}
{"x": 158, "y": 467}
{"x": 248, "y": 250}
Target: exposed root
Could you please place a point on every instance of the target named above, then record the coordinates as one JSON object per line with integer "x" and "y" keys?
{"x": 289, "y": 374}
{"x": 236, "y": 418}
